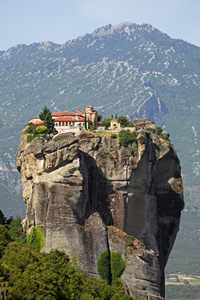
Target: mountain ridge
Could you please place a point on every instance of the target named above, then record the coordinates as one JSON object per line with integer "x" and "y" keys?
{"x": 99, "y": 30}
{"x": 125, "y": 63}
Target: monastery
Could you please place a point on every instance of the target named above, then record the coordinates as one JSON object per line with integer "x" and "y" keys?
{"x": 70, "y": 121}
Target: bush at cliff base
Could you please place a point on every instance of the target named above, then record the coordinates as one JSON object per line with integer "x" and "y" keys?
{"x": 15, "y": 229}
{"x": 4, "y": 238}
{"x": 26, "y": 273}
{"x": 110, "y": 266}
{"x": 117, "y": 265}
{"x": 103, "y": 266}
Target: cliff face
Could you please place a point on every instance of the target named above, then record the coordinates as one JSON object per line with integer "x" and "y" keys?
{"x": 89, "y": 195}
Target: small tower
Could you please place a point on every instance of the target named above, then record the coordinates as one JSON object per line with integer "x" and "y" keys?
{"x": 90, "y": 113}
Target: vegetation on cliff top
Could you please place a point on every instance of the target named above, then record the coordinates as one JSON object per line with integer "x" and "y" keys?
{"x": 126, "y": 137}
{"x": 25, "y": 273}
{"x": 46, "y": 117}
{"x": 35, "y": 131}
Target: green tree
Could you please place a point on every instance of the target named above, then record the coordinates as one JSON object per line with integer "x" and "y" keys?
{"x": 123, "y": 120}
{"x": 15, "y": 260}
{"x": 117, "y": 265}
{"x": 46, "y": 116}
{"x": 53, "y": 278}
{"x": 85, "y": 122}
{"x": 26, "y": 273}
{"x": 31, "y": 129}
{"x": 2, "y": 218}
{"x": 5, "y": 238}
{"x": 103, "y": 266}
{"x": 99, "y": 118}
{"x": 110, "y": 266}
{"x": 15, "y": 229}
{"x": 106, "y": 122}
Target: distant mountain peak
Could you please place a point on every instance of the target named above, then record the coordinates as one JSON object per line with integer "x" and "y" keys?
{"x": 127, "y": 27}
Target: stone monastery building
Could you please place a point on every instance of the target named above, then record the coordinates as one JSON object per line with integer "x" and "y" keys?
{"x": 70, "y": 121}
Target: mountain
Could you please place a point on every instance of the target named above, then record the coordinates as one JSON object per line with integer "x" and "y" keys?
{"x": 125, "y": 69}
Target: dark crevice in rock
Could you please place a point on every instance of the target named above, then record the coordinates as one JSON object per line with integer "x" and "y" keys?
{"x": 96, "y": 189}
{"x": 109, "y": 257}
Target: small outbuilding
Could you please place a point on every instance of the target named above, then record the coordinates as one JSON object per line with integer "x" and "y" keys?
{"x": 115, "y": 125}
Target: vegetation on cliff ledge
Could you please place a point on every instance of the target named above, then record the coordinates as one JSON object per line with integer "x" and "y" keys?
{"x": 25, "y": 273}
{"x": 110, "y": 266}
{"x": 35, "y": 131}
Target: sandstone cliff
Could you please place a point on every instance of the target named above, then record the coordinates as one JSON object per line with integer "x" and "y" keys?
{"x": 89, "y": 194}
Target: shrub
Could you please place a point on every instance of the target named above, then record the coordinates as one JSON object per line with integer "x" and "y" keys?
{"x": 133, "y": 148}
{"x": 158, "y": 130}
{"x": 103, "y": 266}
{"x": 130, "y": 124}
{"x": 117, "y": 265}
{"x": 5, "y": 238}
{"x": 16, "y": 230}
{"x": 91, "y": 126}
{"x": 26, "y": 273}
{"x": 36, "y": 238}
{"x": 123, "y": 120}
{"x": 72, "y": 170}
{"x": 126, "y": 137}
{"x": 31, "y": 137}
{"x": 110, "y": 266}
{"x": 113, "y": 136}
{"x": 165, "y": 135}
{"x": 157, "y": 146}
{"x": 41, "y": 129}
{"x": 106, "y": 122}
{"x": 31, "y": 128}
{"x": 86, "y": 296}
{"x": 150, "y": 129}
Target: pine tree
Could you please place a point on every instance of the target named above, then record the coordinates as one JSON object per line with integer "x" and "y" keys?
{"x": 85, "y": 122}
{"x": 45, "y": 116}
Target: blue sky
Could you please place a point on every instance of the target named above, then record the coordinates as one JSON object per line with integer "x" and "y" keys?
{"x": 28, "y": 21}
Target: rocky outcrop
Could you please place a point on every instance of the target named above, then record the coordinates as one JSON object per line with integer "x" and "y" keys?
{"x": 89, "y": 194}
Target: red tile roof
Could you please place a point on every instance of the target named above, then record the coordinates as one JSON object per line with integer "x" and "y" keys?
{"x": 63, "y": 113}
{"x": 37, "y": 122}
{"x": 69, "y": 119}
